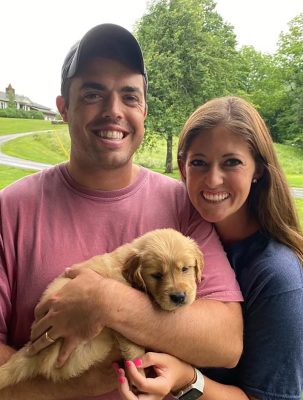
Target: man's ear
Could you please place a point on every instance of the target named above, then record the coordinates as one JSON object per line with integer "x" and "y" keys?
{"x": 60, "y": 102}
{"x": 145, "y": 110}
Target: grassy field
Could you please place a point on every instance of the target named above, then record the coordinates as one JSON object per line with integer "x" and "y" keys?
{"x": 299, "y": 206}
{"x": 291, "y": 159}
{"x": 53, "y": 147}
{"x": 10, "y": 174}
{"x": 16, "y": 125}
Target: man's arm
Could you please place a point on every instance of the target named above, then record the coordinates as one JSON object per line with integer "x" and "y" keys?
{"x": 206, "y": 333}
{"x": 5, "y": 353}
{"x": 93, "y": 383}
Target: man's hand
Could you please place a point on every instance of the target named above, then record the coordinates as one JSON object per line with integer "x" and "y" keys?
{"x": 72, "y": 314}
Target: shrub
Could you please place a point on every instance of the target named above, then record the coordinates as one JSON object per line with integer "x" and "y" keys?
{"x": 14, "y": 113}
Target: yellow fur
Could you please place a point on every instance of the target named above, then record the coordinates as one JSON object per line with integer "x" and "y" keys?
{"x": 163, "y": 262}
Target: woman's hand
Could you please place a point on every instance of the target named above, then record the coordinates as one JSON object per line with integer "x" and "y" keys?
{"x": 171, "y": 374}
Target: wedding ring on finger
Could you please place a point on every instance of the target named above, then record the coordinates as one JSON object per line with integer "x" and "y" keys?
{"x": 48, "y": 338}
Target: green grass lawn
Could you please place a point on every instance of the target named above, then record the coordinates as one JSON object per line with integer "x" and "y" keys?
{"x": 53, "y": 147}
{"x": 17, "y": 125}
{"x": 291, "y": 159}
{"x": 299, "y": 206}
{"x": 295, "y": 180}
{"x": 10, "y": 174}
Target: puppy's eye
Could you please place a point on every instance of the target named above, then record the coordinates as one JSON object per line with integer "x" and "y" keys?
{"x": 158, "y": 276}
{"x": 185, "y": 269}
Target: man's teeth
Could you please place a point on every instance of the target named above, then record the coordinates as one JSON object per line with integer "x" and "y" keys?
{"x": 215, "y": 197}
{"x": 116, "y": 135}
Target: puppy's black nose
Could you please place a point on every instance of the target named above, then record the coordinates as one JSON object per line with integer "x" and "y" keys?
{"x": 177, "y": 298}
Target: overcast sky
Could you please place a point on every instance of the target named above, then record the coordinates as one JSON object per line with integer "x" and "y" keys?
{"x": 36, "y": 34}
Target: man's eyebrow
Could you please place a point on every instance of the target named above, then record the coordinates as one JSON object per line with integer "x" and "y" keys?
{"x": 93, "y": 85}
{"x": 131, "y": 89}
{"x": 102, "y": 87}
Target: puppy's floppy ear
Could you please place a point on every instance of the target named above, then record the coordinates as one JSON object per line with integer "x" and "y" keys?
{"x": 199, "y": 264}
{"x": 132, "y": 272}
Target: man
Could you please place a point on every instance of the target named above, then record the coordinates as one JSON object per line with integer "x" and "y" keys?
{"x": 97, "y": 201}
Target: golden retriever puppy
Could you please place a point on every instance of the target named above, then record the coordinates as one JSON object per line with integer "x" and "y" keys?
{"x": 163, "y": 263}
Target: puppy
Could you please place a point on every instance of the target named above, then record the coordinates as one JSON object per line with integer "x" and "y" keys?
{"x": 163, "y": 263}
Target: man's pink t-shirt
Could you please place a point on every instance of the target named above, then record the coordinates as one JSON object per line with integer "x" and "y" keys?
{"x": 48, "y": 223}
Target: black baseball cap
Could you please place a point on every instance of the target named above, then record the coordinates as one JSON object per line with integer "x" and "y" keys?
{"x": 105, "y": 40}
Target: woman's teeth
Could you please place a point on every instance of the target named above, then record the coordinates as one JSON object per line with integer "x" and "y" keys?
{"x": 215, "y": 196}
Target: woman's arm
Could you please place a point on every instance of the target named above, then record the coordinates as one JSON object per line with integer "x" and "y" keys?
{"x": 171, "y": 375}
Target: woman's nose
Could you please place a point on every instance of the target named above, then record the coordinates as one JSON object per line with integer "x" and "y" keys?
{"x": 214, "y": 177}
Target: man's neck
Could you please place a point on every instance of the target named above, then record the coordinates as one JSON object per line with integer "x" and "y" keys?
{"x": 105, "y": 180}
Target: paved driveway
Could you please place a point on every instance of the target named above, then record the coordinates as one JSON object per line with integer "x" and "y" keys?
{"x": 297, "y": 192}
{"x": 18, "y": 162}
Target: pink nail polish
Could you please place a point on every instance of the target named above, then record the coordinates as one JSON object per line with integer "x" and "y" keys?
{"x": 115, "y": 366}
{"x": 128, "y": 363}
{"x": 121, "y": 379}
{"x": 137, "y": 362}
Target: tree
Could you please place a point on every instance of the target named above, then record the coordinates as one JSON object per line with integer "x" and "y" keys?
{"x": 260, "y": 82}
{"x": 11, "y": 98}
{"x": 290, "y": 58}
{"x": 190, "y": 56}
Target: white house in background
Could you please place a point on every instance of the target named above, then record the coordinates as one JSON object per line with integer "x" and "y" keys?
{"x": 24, "y": 103}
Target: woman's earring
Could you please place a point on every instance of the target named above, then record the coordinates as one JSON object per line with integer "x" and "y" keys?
{"x": 255, "y": 180}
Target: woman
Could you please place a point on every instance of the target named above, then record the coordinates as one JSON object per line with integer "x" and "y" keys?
{"x": 228, "y": 163}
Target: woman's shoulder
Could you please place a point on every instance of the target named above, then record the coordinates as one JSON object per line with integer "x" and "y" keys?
{"x": 267, "y": 265}
{"x": 282, "y": 265}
